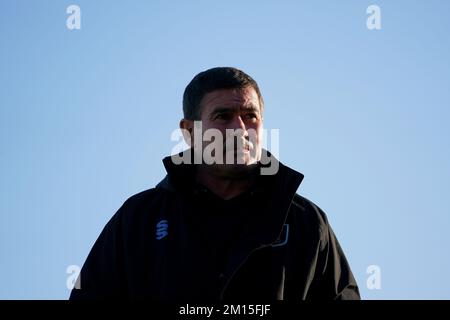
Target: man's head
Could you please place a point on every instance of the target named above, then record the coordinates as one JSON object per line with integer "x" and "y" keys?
{"x": 212, "y": 80}
{"x": 228, "y": 101}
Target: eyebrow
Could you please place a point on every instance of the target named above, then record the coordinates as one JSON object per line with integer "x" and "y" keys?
{"x": 249, "y": 107}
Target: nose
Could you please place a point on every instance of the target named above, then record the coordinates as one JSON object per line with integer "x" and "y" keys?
{"x": 239, "y": 124}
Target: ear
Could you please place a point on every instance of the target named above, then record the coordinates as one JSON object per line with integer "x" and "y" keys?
{"x": 187, "y": 128}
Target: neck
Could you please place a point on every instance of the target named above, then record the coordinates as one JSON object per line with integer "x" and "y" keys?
{"x": 224, "y": 185}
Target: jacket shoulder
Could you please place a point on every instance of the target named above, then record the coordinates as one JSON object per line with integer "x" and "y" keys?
{"x": 309, "y": 216}
{"x": 304, "y": 206}
{"x": 142, "y": 197}
{"x": 141, "y": 204}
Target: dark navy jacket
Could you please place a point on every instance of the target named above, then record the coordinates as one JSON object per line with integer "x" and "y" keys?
{"x": 149, "y": 249}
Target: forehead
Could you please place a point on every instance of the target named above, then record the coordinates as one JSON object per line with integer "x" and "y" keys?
{"x": 232, "y": 98}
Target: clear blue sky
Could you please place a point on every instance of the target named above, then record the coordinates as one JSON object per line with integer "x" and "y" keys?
{"x": 86, "y": 117}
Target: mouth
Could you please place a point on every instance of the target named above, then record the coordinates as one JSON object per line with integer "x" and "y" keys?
{"x": 245, "y": 147}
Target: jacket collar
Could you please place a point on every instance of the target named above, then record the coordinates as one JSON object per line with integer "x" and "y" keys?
{"x": 181, "y": 178}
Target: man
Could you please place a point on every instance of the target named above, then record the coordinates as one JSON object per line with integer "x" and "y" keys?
{"x": 223, "y": 224}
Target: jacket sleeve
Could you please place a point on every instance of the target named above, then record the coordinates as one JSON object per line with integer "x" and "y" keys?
{"x": 333, "y": 277}
{"x": 102, "y": 276}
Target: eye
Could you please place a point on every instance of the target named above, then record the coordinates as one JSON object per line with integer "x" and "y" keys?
{"x": 251, "y": 116}
{"x": 223, "y": 116}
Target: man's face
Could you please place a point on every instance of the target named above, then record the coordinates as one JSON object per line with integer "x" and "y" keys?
{"x": 235, "y": 111}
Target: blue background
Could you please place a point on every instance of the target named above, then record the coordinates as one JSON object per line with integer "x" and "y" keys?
{"x": 86, "y": 117}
